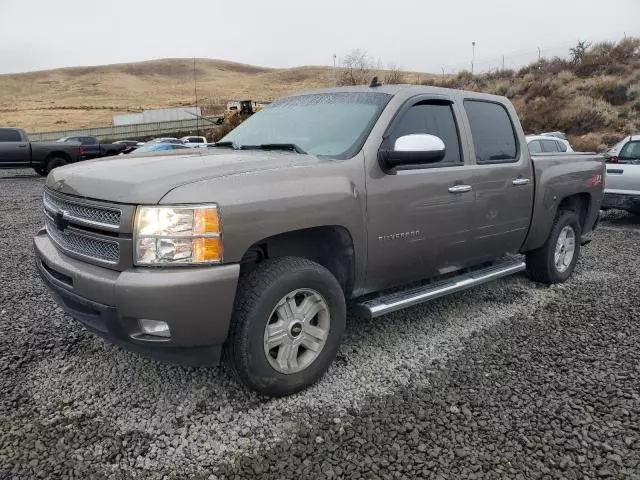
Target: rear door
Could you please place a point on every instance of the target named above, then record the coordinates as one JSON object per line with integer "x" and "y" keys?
{"x": 14, "y": 150}
{"x": 502, "y": 180}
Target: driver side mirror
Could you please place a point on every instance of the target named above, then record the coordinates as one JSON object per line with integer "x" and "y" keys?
{"x": 414, "y": 149}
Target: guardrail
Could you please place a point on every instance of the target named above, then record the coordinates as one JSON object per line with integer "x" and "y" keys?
{"x": 123, "y": 132}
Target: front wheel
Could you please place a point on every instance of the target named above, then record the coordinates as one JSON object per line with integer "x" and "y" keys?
{"x": 555, "y": 261}
{"x": 288, "y": 322}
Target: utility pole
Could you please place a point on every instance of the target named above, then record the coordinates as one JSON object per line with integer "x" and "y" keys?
{"x": 539, "y": 54}
{"x": 335, "y": 71}
{"x": 473, "y": 55}
{"x": 502, "y": 62}
{"x": 195, "y": 93}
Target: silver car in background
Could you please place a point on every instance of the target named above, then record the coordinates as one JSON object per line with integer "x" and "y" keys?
{"x": 547, "y": 144}
{"x": 622, "y": 181}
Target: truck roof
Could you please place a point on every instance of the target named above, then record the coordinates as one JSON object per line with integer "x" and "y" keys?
{"x": 406, "y": 90}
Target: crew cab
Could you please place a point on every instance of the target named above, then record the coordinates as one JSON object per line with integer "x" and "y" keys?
{"x": 16, "y": 151}
{"x": 93, "y": 148}
{"x": 381, "y": 196}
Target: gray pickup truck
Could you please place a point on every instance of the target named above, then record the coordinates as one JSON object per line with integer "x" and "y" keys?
{"x": 383, "y": 197}
{"x": 16, "y": 151}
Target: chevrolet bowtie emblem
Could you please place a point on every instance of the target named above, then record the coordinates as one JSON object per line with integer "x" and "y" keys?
{"x": 61, "y": 222}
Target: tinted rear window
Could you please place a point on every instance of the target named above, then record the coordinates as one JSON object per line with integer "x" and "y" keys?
{"x": 534, "y": 146}
{"x": 10, "y": 136}
{"x": 549, "y": 146}
{"x": 494, "y": 139}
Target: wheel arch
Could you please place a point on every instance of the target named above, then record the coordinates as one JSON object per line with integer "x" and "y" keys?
{"x": 581, "y": 203}
{"x": 331, "y": 246}
{"x": 58, "y": 154}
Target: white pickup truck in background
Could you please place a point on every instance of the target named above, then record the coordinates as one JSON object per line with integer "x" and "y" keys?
{"x": 622, "y": 183}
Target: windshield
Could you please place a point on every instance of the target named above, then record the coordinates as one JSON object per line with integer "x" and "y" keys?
{"x": 326, "y": 124}
{"x": 630, "y": 153}
{"x": 157, "y": 147}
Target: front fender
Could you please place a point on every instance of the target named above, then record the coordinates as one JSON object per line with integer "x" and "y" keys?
{"x": 254, "y": 206}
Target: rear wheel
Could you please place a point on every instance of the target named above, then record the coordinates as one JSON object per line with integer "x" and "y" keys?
{"x": 54, "y": 162}
{"x": 289, "y": 318}
{"x": 555, "y": 261}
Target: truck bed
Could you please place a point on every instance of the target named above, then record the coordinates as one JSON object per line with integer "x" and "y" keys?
{"x": 557, "y": 176}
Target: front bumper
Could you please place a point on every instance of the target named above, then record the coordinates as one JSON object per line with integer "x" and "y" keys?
{"x": 196, "y": 303}
{"x": 622, "y": 201}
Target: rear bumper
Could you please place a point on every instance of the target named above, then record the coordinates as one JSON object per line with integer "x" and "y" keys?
{"x": 196, "y": 303}
{"x": 623, "y": 201}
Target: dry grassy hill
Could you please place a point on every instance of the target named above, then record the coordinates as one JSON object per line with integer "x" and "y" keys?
{"x": 595, "y": 96}
{"x": 89, "y": 96}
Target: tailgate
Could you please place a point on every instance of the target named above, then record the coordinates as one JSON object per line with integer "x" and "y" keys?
{"x": 622, "y": 178}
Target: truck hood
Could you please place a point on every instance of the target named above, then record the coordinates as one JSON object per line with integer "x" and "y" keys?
{"x": 145, "y": 180}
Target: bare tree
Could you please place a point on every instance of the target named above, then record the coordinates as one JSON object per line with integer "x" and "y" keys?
{"x": 394, "y": 75}
{"x": 358, "y": 68}
{"x": 578, "y": 52}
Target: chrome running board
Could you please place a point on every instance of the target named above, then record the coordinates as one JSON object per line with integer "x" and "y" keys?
{"x": 387, "y": 303}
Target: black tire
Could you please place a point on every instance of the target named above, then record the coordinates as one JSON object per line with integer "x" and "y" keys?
{"x": 258, "y": 294}
{"x": 40, "y": 171}
{"x": 54, "y": 162}
{"x": 541, "y": 264}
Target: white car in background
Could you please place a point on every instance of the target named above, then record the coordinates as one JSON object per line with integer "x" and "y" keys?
{"x": 194, "y": 142}
{"x": 547, "y": 144}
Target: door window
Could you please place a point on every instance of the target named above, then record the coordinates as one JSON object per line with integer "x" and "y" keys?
{"x": 549, "y": 146}
{"x": 435, "y": 119}
{"x": 630, "y": 152}
{"x": 8, "y": 135}
{"x": 534, "y": 146}
{"x": 494, "y": 138}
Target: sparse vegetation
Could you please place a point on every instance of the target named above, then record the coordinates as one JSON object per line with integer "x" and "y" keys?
{"x": 358, "y": 68}
{"x": 393, "y": 75}
{"x": 594, "y": 94}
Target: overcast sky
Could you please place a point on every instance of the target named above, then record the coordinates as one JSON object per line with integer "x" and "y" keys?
{"x": 421, "y": 35}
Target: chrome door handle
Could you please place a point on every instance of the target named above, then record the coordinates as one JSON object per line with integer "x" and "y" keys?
{"x": 460, "y": 188}
{"x": 521, "y": 181}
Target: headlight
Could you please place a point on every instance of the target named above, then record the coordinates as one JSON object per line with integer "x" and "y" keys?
{"x": 171, "y": 235}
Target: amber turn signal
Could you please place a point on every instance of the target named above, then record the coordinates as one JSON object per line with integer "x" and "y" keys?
{"x": 207, "y": 250}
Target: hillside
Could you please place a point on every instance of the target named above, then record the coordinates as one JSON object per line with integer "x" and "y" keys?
{"x": 89, "y": 96}
{"x": 595, "y": 95}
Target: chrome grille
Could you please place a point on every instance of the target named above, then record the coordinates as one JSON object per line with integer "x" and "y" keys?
{"x": 82, "y": 213}
{"x": 74, "y": 242}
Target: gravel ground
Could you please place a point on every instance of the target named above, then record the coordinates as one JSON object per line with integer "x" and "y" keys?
{"x": 510, "y": 380}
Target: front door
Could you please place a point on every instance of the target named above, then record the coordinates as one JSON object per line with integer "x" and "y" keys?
{"x": 419, "y": 220}
{"x": 502, "y": 179}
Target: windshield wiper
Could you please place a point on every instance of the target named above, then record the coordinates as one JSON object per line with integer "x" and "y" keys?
{"x": 274, "y": 146}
